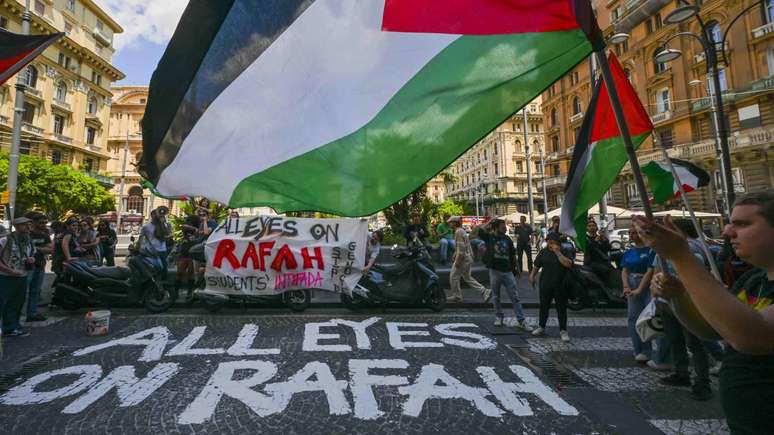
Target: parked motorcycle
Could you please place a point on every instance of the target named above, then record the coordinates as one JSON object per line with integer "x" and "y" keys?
{"x": 590, "y": 291}
{"x": 82, "y": 285}
{"x": 296, "y": 300}
{"x": 413, "y": 281}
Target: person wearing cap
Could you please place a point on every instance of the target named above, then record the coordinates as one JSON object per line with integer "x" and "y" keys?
{"x": 463, "y": 260}
{"x": 16, "y": 260}
{"x": 555, "y": 266}
{"x": 500, "y": 259}
{"x": 41, "y": 241}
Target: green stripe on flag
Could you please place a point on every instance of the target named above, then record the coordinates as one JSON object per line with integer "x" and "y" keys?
{"x": 454, "y": 101}
{"x": 661, "y": 181}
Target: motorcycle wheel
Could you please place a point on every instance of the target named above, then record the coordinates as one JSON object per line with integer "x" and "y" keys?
{"x": 352, "y": 303}
{"x": 159, "y": 301}
{"x": 575, "y": 304}
{"x": 436, "y": 300}
{"x": 298, "y": 300}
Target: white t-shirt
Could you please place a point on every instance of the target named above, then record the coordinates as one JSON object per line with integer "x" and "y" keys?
{"x": 149, "y": 231}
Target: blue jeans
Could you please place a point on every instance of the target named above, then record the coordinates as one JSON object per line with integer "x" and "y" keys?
{"x": 34, "y": 284}
{"x": 635, "y": 305}
{"x": 499, "y": 279}
{"x": 445, "y": 244}
{"x": 11, "y": 300}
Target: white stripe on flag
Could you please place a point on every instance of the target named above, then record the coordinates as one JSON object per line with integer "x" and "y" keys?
{"x": 325, "y": 77}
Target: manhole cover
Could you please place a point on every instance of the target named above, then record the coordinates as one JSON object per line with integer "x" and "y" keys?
{"x": 548, "y": 369}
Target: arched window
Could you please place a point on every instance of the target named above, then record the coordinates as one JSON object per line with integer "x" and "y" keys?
{"x": 92, "y": 106}
{"x": 135, "y": 203}
{"x": 553, "y": 117}
{"x": 713, "y": 29}
{"x": 61, "y": 92}
{"x": 658, "y": 67}
{"x": 576, "y": 106}
{"x": 31, "y": 76}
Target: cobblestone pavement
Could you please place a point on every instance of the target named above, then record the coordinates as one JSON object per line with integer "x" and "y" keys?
{"x": 328, "y": 371}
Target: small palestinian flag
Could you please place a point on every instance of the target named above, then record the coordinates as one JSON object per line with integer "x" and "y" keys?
{"x": 600, "y": 153}
{"x": 663, "y": 183}
{"x": 345, "y": 106}
{"x": 16, "y": 51}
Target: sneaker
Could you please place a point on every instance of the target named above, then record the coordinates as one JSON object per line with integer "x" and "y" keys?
{"x": 17, "y": 333}
{"x": 537, "y": 332}
{"x": 36, "y": 318}
{"x": 498, "y": 321}
{"x": 675, "y": 380}
{"x": 659, "y": 367}
{"x": 701, "y": 392}
{"x": 524, "y": 326}
{"x": 487, "y": 295}
{"x": 565, "y": 336}
{"x": 715, "y": 370}
{"x": 641, "y": 358}
{"x": 454, "y": 299}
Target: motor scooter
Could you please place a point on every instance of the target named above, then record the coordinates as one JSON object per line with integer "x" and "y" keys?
{"x": 82, "y": 285}
{"x": 411, "y": 281}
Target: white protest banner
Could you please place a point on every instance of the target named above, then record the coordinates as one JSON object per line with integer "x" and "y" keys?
{"x": 266, "y": 255}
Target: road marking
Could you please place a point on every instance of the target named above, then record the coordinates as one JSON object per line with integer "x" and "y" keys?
{"x": 691, "y": 427}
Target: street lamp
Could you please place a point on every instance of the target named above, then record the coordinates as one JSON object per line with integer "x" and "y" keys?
{"x": 710, "y": 47}
{"x": 618, "y": 38}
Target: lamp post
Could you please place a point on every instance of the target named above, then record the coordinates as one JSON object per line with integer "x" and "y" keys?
{"x": 18, "y": 114}
{"x": 530, "y": 200}
{"x": 710, "y": 46}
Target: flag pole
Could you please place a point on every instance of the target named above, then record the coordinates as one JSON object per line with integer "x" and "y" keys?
{"x": 620, "y": 119}
{"x": 687, "y": 204}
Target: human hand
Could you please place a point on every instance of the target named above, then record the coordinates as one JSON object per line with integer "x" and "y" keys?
{"x": 532, "y": 281}
{"x": 665, "y": 239}
{"x": 627, "y": 291}
{"x": 666, "y": 286}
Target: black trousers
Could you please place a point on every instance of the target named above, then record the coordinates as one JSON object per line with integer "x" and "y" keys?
{"x": 682, "y": 340}
{"x": 557, "y": 295}
{"x": 109, "y": 254}
{"x": 521, "y": 249}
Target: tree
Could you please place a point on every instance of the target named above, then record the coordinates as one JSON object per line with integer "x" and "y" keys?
{"x": 449, "y": 208}
{"x": 399, "y": 214}
{"x": 58, "y": 190}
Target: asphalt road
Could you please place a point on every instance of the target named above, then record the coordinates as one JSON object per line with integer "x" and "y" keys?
{"x": 328, "y": 371}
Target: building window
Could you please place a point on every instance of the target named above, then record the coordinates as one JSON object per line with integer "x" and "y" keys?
{"x": 770, "y": 60}
{"x": 40, "y": 8}
{"x": 100, "y": 25}
{"x": 56, "y": 157}
{"x": 88, "y": 164}
{"x": 736, "y": 174}
{"x": 657, "y": 20}
{"x": 68, "y": 28}
{"x": 520, "y": 167}
{"x": 25, "y": 148}
{"x": 663, "y": 100}
{"x": 59, "y": 122}
{"x": 92, "y": 106}
{"x": 29, "y": 113}
{"x": 667, "y": 138}
{"x": 61, "y": 92}
{"x": 555, "y": 144}
{"x": 631, "y": 192}
{"x": 714, "y": 32}
{"x": 135, "y": 203}
{"x": 555, "y": 170}
{"x": 70, "y": 5}
{"x": 143, "y": 100}
{"x": 658, "y": 67}
{"x": 497, "y": 169}
{"x": 721, "y": 79}
{"x": 553, "y": 116}
{"x": 576, "y": 106}
{"x": 31, "y": 76}
{"x": 649, "y": 26}
{"x": 769, "y": 13}
{"x": 4, "y": 23}
{"x": 91, "y": 135}
{"x": 96, "y": 78}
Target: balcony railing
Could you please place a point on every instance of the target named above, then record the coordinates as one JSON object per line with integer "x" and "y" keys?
{"x": 62, "y": 104}
{"x": 661, "y": 117}
{"x": 63, "y": 138}
{"x": 102, "y": 37}
{"x": 31, "y": 128}
{"x": 34, "y": 92}
{"x": 556, "y": 181}
{"x": 576, "y": 117}
{"x": 763, "y": 30}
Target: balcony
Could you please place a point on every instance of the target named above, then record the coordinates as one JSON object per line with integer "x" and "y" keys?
{"x": 556, "y": 181}
{"x": 102, "y": 37}
{"x": 32, "y": 129}
{"x": 635, "y": 12}
{"x": 64, "y": 139}
{"x": 34, "y": 93}
{"x": 661, "y": 117}
{"x": 760, "y": 32}
{"x": 101, "y": 179}
{"x": 61, "y": 104}
{"x": 576, "y": 117}
{"x": 706, "y": 102}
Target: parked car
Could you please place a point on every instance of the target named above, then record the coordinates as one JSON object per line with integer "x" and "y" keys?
{"x": 618, "y": 238}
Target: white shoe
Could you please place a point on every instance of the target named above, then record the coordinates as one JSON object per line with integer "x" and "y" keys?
{"x": 715, "y": 370}
{"x": 498, "y": 321}
{"x": 659, "y": 367}
{"x": 641, "y": 358}
{"x": 565, "y": 336}
{"x": 524, "y": 326}
{"x": 537, "y": 332}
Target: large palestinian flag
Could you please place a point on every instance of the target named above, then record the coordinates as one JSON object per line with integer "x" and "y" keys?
{"x": 600, "y": 153}
{"x": 664, "y": 184}
{"x": 16, "y": 51}
{"x": 344, "y": 106}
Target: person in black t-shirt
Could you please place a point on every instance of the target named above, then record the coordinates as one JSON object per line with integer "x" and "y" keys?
{"x": 415, "y": 228}
{"x": 41, "y": 242}
{"x": 107, "y": 242}
{"x": 555, "y": 266}
{"x": 597, "y": 253}
{"x": 524, "y": 233}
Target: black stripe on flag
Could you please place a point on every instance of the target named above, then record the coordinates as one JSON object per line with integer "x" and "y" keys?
{"x": 24, "y": 47}
{"x": 214, "y": 43}
{"x": 702, "y": 175}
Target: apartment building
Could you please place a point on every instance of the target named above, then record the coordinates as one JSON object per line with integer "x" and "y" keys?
{"x": 676, "y": 95}
{"x": 68, "y": 95}
{"x": 493, "y": 173}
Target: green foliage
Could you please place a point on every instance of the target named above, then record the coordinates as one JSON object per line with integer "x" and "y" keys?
{"x": 449, "y": 208}
{"x": 58, "y": 190}
{"x": 218, "y": 211}
{"x": 399, "y": 214}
